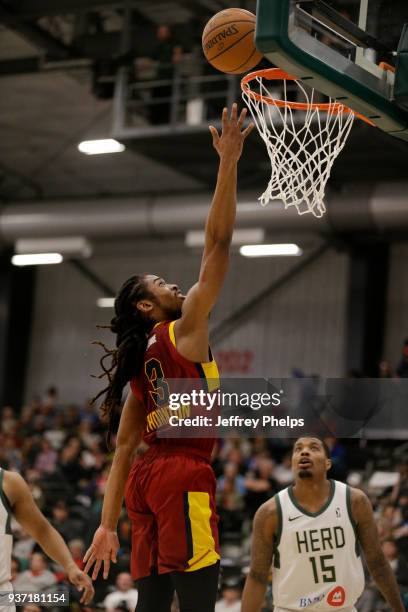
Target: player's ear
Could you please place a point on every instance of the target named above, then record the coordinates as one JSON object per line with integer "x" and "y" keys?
{"x": 329, "y": 463}
{"x": 145, "y": 306}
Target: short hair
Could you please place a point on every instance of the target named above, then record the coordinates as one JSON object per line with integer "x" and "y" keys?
{"x": 323, "y": 443}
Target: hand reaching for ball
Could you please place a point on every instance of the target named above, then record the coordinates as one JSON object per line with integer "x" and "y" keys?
{"x": 230, "y": 143}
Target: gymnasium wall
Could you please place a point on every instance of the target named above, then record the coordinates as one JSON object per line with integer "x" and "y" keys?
{"x": 397, "y": 303}
{"x": 301, "y": 326}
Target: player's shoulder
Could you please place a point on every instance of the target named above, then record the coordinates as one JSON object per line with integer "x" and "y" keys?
{"x": 162, "y": 335}
{"x": 267, "y": 520}
{"x": 357, "y": 495}
{"x": 268, "y": 513}
{"x": 360, "y": 502}
{"x": 162, "y": 327}
{"x": 12, "y": 478}
{"x": 13, "y": 485}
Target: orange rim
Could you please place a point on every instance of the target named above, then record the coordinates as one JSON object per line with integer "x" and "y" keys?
{"x": 276, "y": 74}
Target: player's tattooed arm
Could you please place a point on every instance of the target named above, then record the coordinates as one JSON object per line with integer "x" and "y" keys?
{"x": 377, "y": 564}
{"x": 264, "y": 529}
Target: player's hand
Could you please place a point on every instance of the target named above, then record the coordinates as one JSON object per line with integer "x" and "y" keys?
{"x": 103, "y": 550}
{"x": 82, "y": 582}
{"x": 230, "y": 143}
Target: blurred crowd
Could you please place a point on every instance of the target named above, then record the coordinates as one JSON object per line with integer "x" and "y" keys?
{"x": 60, "y": 450}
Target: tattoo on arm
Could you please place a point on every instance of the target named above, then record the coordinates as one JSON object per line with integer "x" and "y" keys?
{"x": 262, "y": 544}
{"x": 377, "y": 564}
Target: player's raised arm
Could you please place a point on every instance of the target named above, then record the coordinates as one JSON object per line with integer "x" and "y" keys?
{"x": 220, "y": 223}
{"x": 377, "y": 564}
{"x": 265, "y": 525}
{"x": 105, "y": 543}
{"x": 34, "y": 522}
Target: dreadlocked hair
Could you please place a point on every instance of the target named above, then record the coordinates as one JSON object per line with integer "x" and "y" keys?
{"x": 122, "y": 363}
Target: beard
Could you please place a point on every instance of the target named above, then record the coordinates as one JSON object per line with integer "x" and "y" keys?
{"x": 305, "y": 474}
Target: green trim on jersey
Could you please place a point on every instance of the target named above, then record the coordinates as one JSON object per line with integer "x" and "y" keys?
{"x": 277, "y": 538}
{"x": 6, "y": 504}
{"x": 351, "y": 518}
{"x": 322, "y": 509}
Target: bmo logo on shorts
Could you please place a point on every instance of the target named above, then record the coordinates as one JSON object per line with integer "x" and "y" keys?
{"x": 336, "y": 597}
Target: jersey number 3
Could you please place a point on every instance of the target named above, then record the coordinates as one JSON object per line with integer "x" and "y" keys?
{"x": 160, "y": 392}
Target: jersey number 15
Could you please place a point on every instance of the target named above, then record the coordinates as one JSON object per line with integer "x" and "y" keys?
{"x": 327, "y": 572}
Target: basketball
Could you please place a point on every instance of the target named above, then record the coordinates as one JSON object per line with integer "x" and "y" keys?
{"x": 228, "y": 41}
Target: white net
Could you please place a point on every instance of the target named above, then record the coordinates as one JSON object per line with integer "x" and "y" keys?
{"x": 302, "y": 145}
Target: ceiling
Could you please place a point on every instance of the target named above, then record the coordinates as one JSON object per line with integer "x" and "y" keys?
{"x": 48, "y": 53}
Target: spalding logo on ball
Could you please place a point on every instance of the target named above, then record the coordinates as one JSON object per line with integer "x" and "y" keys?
{"x": 228, "y": 41}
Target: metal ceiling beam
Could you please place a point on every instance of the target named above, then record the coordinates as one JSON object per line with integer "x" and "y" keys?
{"x": 21, "y": 65}
{"x": 33, "y": 9}
{"x": 34, "y": 34}
{"x": 33, "y": 65}
{"x": 200, "y": 9}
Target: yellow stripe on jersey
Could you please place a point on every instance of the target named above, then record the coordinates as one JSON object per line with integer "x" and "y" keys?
{"x": 203, "y": 544}
{"x": 209, "y": 368}
{"x": 212, "y": 375}
{"x": 172, "y": 334}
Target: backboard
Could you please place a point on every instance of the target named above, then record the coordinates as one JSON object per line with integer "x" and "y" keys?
{"x": 321, "y": 43}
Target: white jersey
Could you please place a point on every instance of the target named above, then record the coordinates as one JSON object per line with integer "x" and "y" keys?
{"x": 6, "y": 539}
{"x": 316, "y": 562}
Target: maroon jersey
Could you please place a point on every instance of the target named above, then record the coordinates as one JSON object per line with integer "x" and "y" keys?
{"x": 162, "y": 363}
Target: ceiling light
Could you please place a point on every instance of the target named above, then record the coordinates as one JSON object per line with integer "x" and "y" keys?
{"x": 36, "y": 259}
{"x": 68, "y": 246}
{"x": 196, "y": 238}
{"x": 105, "y": 302}
{"x": 270, "y": 250}
{"x": 97, "y": 147}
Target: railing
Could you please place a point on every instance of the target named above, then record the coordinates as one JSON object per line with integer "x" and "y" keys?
{"x": 189, "y": 95}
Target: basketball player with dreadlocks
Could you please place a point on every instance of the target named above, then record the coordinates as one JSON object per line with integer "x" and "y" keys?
{"x": 162, "y": 334}
{"x": 310, "y": 535}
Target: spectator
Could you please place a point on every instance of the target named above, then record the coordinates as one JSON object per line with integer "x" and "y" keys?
{"x": 37, "y": 578}
{"x": 167, "y": 53}
{"x": 62, "y": 521}
{"x": 77, "y": 549}
{"x": 371, "y": 598}
{"x": 231, "y": 488}
{"x": 338, "y": 457}
{"x": 283, "y": 473}
{"x": 70, "y": 461}
{"x": 57, "y": 434}
{"x": 385, "y": 369}
{"x": 230, "y": 500}
{"x": 230, "y": 600}
{"x": 8, "y": 420}
{"x": 124, "y": 535}
{"x": 398, "y": 564}
{"x": 51, "y": 398}
{"x": 87, "y": 435}
{"x": 402, "y": 367}
{"x": 46, "y": 459}
{"x": 402, "y": 483}
{"x": 23, "y": 543}
{"x": 125, "y": 594}
{"x": 259, "y": 483}
{"x": 15, "y": 568}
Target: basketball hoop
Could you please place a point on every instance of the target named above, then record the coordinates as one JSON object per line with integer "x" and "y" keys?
{"x": 302, "y": 147}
